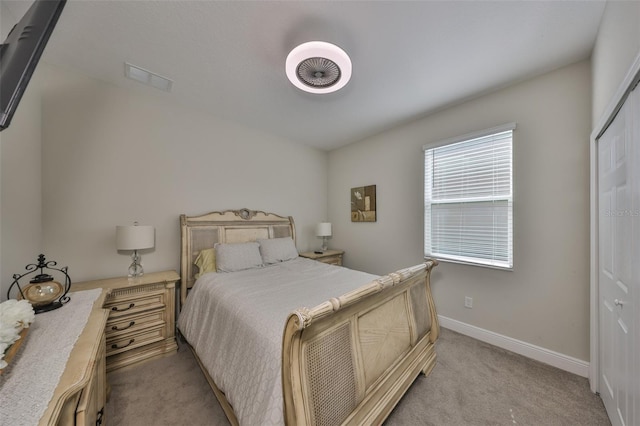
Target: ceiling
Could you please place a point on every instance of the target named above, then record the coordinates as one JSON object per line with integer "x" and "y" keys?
{"x": 409, "y": 58}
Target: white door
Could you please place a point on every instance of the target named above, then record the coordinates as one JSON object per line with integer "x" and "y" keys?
{"x": 619, "y": 263}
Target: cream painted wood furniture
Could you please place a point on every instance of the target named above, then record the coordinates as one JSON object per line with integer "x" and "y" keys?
{"x": 364, "y": 379}
{"x": 141, "y": 323}
{"x": 332, "y": 257}
{"x": 80, "y": 397}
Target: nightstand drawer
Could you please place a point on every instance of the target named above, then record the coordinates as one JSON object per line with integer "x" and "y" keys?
{"x": 125, "y": 306}
{"x": 131, "y": 323}
{"x": 128, "y": 341}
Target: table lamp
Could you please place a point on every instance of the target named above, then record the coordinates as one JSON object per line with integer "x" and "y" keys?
{"x": 135, "y": 238}
{"x": 323, "y": 230}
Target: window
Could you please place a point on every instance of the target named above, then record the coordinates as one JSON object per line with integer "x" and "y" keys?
{"x": 468, "y": 198}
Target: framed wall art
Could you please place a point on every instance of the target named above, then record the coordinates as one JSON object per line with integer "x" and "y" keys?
{"x": 363, "y": 204}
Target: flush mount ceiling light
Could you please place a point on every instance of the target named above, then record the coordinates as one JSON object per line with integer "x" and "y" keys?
{"x": 318, "y": 67}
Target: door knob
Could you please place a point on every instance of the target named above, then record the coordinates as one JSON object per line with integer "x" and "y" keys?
{"x": 618, "y": 302}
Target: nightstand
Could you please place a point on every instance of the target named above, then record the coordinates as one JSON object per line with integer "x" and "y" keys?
{"x": 141, "y": 324}
{"x": 332, "y": 257}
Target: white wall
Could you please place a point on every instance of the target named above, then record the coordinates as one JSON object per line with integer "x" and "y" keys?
{"x": 20, "y": 211}
{"x": 20, "y": 188}
{"x": 545, "y": 299}
{"x": 617, "y": 46}
{"x": 112, "y": 157}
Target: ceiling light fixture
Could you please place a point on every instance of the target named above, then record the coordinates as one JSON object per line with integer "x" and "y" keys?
{"x": 318, "y": 67}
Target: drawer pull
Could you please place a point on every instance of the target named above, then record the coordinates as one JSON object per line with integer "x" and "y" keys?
{"x": 115, "y": 346}
{"x": 115, "y": 308}
{"x": 115, "y": 327}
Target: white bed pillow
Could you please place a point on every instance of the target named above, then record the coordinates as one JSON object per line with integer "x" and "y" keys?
{"x": 233, "y": 257}
{"x": 276, "y": 250}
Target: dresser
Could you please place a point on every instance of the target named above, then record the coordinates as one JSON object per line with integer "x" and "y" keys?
{"x": 141, "y": 324}
{"x": 81, "y": 396}
{"x": 332, "y": 257}
{"x": 58, "y": 376}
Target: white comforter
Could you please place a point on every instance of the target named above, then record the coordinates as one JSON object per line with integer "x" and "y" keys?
{"x": 235, "y": 322}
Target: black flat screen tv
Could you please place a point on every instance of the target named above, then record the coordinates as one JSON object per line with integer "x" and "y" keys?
{"x": 21, "y": 51}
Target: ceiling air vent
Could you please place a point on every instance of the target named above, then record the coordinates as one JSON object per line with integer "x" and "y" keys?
{"x": 147, "y": 77}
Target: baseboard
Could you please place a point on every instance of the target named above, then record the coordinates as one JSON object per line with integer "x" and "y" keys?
{"x": 555, "y": 359}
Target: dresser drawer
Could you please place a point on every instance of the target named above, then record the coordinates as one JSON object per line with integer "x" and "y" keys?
{"x": 127, "y": 341}
{"x": 125, "y": 324}
{"x": 90, "y": 408}
{"x": 125, "y": 306}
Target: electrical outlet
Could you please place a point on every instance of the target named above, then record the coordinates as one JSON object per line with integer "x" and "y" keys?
{"x": 468, "y": 302}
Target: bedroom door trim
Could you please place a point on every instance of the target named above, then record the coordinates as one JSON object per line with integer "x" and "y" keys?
{"x": 628, "y": 83}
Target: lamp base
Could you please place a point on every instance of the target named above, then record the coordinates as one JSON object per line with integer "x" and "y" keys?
{"x": 324, "y": 244}
{"x": 135, "y": 269}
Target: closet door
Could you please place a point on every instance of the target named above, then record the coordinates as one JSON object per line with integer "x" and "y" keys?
{"x": 619, "y": 263}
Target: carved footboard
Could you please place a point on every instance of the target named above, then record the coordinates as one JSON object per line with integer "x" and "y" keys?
{"x": 349, "y": 360}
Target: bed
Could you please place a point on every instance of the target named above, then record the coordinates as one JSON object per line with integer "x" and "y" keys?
{"x": 296, "y": 341}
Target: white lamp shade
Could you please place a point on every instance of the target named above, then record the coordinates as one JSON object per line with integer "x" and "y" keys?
{"x": 135, "y": 237}
{"x": 323, "y": 229}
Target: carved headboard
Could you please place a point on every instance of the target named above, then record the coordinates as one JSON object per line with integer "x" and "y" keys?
{"x": 230, "y": 226}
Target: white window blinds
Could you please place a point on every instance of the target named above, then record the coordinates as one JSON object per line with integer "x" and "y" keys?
{"x": 468, "y": 191}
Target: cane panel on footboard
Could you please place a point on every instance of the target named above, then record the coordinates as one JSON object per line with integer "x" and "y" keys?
{"x": 350, "y": 360}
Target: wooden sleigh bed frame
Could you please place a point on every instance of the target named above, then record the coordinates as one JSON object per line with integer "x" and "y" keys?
{"x": 348, "y": 360}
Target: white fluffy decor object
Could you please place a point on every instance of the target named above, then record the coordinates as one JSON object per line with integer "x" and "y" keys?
{"x": 14, "y": 316}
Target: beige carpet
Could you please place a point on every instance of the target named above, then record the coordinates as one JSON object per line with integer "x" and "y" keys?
{"x": 473, "y": 383}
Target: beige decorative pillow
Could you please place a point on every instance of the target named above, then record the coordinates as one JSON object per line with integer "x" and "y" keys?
{"x": 206, "y": 262}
